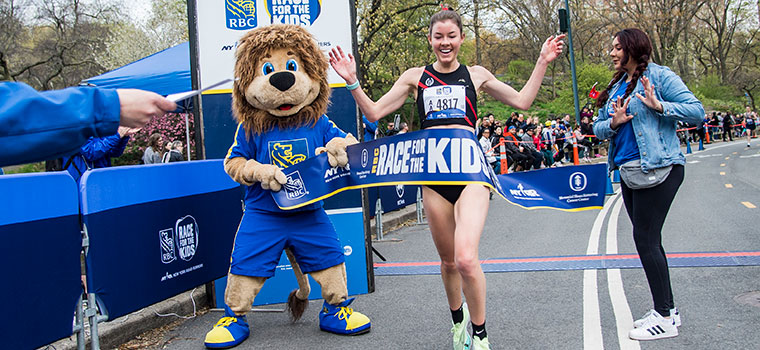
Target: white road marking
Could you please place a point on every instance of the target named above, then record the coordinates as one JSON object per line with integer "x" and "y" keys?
{"x": 623, "y": 317}
{"x": 592, "y": 322}
{"x": 693, "y": 162}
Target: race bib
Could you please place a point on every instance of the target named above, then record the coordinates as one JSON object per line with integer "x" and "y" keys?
{"x": 444, "y": 102}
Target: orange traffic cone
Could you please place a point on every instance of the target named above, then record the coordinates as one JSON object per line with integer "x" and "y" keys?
{"x": 504, "y": 161}
{"x": 576, "y": 161}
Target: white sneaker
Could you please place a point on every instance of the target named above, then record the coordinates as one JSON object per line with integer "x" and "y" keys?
{"x": 654, "y": 327}
{"x": 462, "y": 340}
{"x": 674, "y": 315}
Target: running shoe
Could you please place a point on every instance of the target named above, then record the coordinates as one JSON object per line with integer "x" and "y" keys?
{"x": 341, "y": 319}
{"x": 229, "y": 331}
{"x": 674, "y": 315}
{"x": 654, "y": 327}
{"x": 462, "y": 339}
{"x": 478, "y": 344}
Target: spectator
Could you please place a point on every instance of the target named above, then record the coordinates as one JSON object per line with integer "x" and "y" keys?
{"x": 515, "y": 151}
{"x": 97, "y": 153}
{"x": 152, "y": 153}
{"x": 391, "y": 129}
{"x": 403, "y": 128}
{"x": 530, "y": 149}
{"x": 485, "y": 144}
{"x": 174, "y": 153}
{"x": 52, "y": 124}
{"x": 728, "y": 127}
{"x": 370, "y": 129}
{"x": 643, "y": 144}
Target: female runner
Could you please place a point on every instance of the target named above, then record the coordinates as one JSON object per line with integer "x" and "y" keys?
{"x": 456, "y": 214}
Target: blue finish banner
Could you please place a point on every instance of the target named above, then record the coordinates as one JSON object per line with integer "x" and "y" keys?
{"x": 440, "y": 157}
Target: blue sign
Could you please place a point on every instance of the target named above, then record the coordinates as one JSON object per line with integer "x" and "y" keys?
{"x": 441, "y": 157}
{"x": 240, "y": 14}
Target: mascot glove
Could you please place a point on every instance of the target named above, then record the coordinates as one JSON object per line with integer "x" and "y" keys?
{"x": 270, "y": 176}
{"x": 336, "y": 150}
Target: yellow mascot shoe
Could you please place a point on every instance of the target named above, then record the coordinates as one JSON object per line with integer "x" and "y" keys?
{"x": 341, "y": 319}
{"x": 229, "y": 331}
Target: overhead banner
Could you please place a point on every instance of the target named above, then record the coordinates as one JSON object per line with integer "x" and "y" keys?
{"x": 441, "y": 157}
{"x": 222, "y": 22}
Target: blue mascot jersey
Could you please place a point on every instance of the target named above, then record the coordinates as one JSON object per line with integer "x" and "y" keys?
{"x": 282, "y": 148}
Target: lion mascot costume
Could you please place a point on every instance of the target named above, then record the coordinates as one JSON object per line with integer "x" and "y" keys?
{"x": 280, "y": 99}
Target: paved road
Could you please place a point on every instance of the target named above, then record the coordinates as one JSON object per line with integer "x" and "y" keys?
{"x": 567, "y": 309}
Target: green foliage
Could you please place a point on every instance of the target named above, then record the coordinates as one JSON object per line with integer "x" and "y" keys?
{"x": 588, "y": 74}
{"x": 519, "y": 70}
{"x": 711, "y": 87}
{"x": 27, "y": 168}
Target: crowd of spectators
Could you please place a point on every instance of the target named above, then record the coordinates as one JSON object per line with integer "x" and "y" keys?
{"x": 530, "y": 144}
{"x": 720, "y": 125}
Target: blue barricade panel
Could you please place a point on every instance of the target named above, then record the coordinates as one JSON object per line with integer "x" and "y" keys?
{"x": 157, "y": 230}
{"x": 392, "y": 197}
{"x": 277, "y": 288}
{"x": 41, "y": 244}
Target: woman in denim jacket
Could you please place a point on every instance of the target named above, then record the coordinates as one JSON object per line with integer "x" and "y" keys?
{"x": 638, "y": 112}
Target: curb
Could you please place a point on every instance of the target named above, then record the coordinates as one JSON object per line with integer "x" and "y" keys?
{"x": 392, "y": 220}
{"x": 125, "y": 328}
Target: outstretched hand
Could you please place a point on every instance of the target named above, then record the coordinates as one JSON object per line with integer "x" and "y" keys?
{"x": 343, "y": 64}
{"x": 650, "y": 100}
{"x": 138, "y": 107}
{"x": 552, "y": 47}
{"x": 619, "y": 116}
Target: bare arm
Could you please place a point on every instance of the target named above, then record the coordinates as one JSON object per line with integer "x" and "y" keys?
{"x": 550, "y": 50}
{"x": 345, "y": 66}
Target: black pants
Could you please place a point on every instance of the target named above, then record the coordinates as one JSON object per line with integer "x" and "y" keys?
{"x": 647, "y": 209}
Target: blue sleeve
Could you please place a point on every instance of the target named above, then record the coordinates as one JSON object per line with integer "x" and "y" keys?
{"x": 329, "y": 129}
{"x": 36, "y": 126}
{"x": 371, "y": 126}
{"x": 101, "y": 147}
{"x": 240, "y": 147}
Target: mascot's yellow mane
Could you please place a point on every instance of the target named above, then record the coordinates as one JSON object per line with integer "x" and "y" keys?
{"x": 255, "y": 46}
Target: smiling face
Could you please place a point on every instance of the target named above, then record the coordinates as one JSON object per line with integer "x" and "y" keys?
{"x": 618, "y": 55}
{"x": 280, "y": 86}
{"x": 445, "y": 38}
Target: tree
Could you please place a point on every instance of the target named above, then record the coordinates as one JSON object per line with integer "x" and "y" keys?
{"x": 721, "y": 18}
{"x": 63, "y": 40}
{"x": 664, "y": 20}
{"x": 392, "y": 38}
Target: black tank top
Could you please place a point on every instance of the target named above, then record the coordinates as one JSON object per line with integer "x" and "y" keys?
{"x": 446, "y": 98}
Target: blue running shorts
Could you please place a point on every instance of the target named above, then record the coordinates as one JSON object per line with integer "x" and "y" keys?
{"x": 262, "y": 237}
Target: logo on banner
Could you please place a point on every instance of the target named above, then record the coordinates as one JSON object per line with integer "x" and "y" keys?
{"x": 527, "y": 194}
{"x": 400, "y": 190}
{"x": 241, "y": 14}
{"x": 578, "y": 181}
{"x": 187, "y": 237}
{"x": 294, "y": 187}
{"x": 288, "y": 152}
{"x": 365, "y": 158}
{"x": 300, "y": 12}
{"x": 166, "y": 239}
